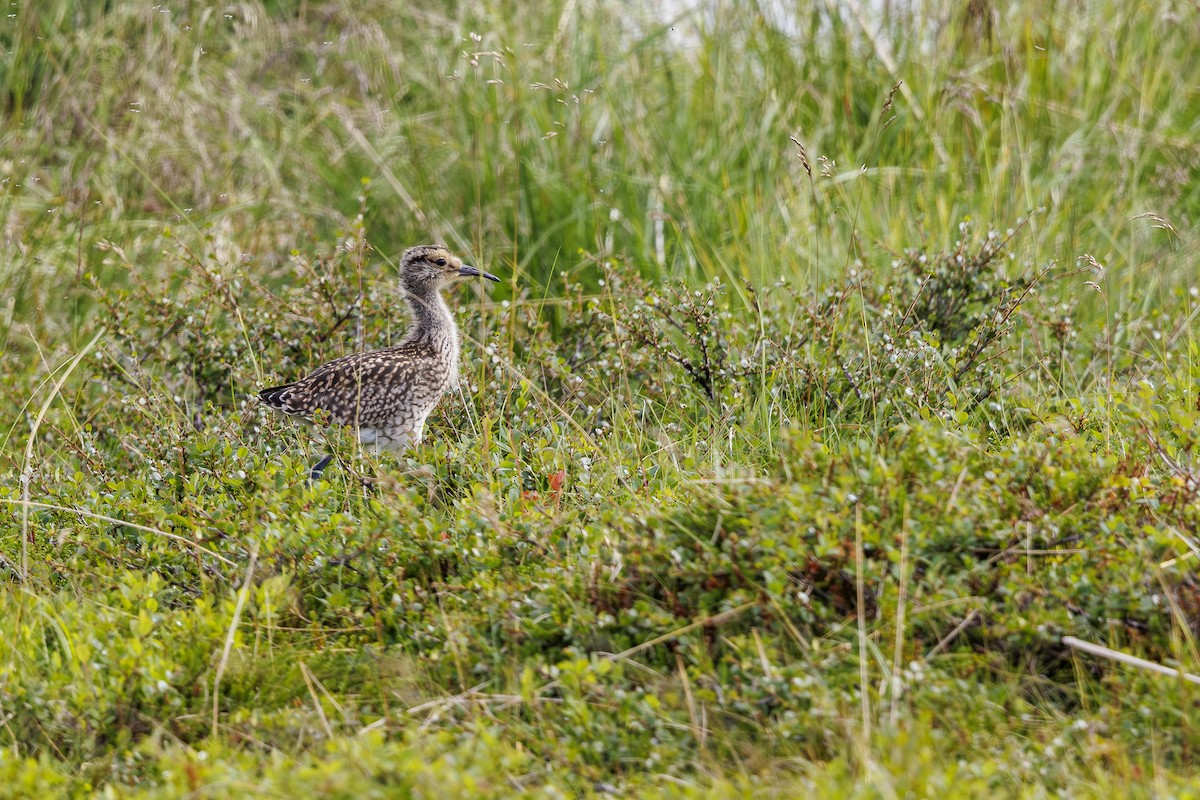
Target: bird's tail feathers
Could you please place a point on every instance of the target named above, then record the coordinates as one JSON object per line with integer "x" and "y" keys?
{"x": 274, "y": 396}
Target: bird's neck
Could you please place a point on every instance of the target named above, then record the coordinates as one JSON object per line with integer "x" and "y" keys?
{"x": 431, "y": 320}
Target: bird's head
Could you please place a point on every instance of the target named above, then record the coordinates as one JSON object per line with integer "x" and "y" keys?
{"x": 430, "y": 268}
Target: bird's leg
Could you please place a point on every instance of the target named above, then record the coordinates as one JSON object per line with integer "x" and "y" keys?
{"x": 319, "y": 468}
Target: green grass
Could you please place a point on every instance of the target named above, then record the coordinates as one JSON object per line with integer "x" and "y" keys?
{"x": 843, "y": 364}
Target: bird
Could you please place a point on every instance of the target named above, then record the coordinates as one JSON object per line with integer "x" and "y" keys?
{"x": 388, "y": 394}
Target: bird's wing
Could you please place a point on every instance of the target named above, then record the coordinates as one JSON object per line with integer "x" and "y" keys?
{"x": 362, "y": 388}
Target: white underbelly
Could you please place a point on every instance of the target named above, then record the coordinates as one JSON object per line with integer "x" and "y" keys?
{"x": 398, "y": 437}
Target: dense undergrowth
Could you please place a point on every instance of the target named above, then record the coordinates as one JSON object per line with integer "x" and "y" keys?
{"x": 767, "y": 476}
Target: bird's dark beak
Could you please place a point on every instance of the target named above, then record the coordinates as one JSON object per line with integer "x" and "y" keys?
{"x": 467, "y": 271}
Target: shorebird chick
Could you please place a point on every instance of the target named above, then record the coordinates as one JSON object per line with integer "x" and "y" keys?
{"x": 388, "y": 394}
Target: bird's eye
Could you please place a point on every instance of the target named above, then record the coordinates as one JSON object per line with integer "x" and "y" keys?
{"x": 441, "y": 262}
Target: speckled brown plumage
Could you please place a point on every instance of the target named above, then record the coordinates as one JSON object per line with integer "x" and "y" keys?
{"x": 388, "y": 394}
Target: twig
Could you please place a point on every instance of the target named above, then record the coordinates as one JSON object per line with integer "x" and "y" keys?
{"x": 340, "y": 321}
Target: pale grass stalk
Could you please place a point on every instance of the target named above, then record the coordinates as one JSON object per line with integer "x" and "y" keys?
{"x": 1193, "y": 549}
{"x": 954, "y": 492}
{"x": 790, "y": 626}
{"x": 1029, "y": 549}
{"x": 26, "y": 478}
{"x": 898, "y": 647}
{"x": 1125, "y": 658}
{"x": 444, "y": 701}
{"x": 762, "y": 654}
{"x": 863, "y": 676}
{"x": 1170, "y": 562}
{"x": 309, "y": 681}
{"x": 43, "y": 383}
{"x": 233, "y": 624}
{"x": 364, "y": 144}
{"x": 884, "y": 51}
{"x": 550, "y": 401}
{"x": 452, "y": 644}
{"x": 113, "y": 520}
{"x": 1182, "y": 621}
{"x": 715, "y": 619}
{"x": 712, "y": 620}
{"x": 699, "y": 729}
{"x": 949, "y": 637}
